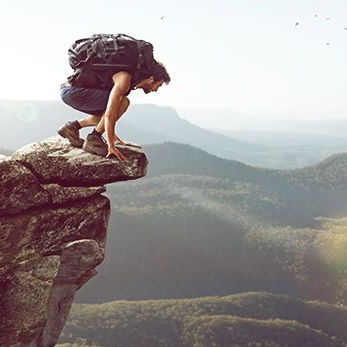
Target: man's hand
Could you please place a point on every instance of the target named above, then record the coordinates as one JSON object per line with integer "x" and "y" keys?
{"x": 112, "y": 150}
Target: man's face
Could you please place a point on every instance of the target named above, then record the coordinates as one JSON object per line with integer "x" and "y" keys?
{"x": 152, "y": 86}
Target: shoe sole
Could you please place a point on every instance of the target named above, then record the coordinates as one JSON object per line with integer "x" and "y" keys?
{"x": 68, "y": 134}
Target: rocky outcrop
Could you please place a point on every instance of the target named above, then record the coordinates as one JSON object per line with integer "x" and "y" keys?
{"x": 53, "y": 228}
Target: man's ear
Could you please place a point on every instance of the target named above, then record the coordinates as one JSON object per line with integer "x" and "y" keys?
{"x": 151, "y": 79}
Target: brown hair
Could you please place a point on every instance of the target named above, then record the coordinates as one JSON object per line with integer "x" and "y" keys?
{"x": 159, "y": 72}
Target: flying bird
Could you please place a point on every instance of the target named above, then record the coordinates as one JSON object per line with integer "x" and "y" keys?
{"x": 162, "y": 17}
{"x": 296, "y": 24}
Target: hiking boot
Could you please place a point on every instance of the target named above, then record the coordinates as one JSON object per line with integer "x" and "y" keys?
{"x": 96, "y": 145}
{"x": 71, "y": 132}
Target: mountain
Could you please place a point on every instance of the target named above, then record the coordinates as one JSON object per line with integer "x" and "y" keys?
{"x": 298, "y": 195}
{"x": 283, "y": 139}
{"x": 200, "y": 225}
{"x": 165, "y": 120}
{"x": 24, "y": 122}
{"x": 29, "y": 121}
{"x": 247, "y": 319}
{"x": 34, "y": 120}
{"x": 285, "y": 153}
{"x": 324, "y": 124}
{"x": 291, "y": 149}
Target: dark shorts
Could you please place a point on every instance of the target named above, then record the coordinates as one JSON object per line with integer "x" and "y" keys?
{"x": 87, "y": 100}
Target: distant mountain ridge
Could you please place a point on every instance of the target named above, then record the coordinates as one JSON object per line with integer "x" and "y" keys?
{"x": 174, "y": 158}
{"x": 223, "y": 119}
{"x": 30, "y": 121}
{"x": 41, "y": 118}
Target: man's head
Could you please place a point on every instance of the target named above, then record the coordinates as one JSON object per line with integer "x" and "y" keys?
{"x": 158, "y": 71}
{"x": 156, "y": 77}
{"x": 150, "y": 85}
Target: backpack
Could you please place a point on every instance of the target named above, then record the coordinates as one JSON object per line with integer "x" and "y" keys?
{"x": 95, "y": 59}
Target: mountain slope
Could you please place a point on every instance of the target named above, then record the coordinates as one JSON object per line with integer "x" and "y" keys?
{"x": 201, "y": 225}
{"x": 240, "y": 319}
{"x": 173, "y": 158}
{"x": 165, "y": 120}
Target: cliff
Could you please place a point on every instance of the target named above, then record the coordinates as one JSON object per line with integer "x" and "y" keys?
{"x": 53, "y": 228}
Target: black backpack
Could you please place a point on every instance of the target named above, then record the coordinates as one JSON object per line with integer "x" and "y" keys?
{"x": 95, "y": 59}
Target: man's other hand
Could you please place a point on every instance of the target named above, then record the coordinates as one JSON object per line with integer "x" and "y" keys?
{"x": 112, "y": 150}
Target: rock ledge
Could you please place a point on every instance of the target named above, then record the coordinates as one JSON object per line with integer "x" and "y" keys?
{"x": 53, "y": 228}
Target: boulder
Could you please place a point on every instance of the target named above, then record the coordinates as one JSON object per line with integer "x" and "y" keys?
{"x": 19, "y": 188}
{"x": 54, "y": 160}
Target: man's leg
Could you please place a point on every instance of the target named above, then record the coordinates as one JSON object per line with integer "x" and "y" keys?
{"x": 86, "y": 100}
{"x": 100, "y": 128}
{"x": 88, "y": 121}
{"x": 70, "y": 130}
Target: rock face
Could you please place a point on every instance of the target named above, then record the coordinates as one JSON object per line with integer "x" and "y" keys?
{"x": 53, "y": 228}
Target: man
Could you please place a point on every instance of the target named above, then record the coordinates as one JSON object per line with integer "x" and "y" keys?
{"x": 106, "y": 106}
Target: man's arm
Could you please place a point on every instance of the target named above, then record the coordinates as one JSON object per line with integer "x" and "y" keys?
{"x": 122, "y": 82}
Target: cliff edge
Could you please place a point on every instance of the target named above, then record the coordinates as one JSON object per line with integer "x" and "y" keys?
{"x": 53, "y": 228}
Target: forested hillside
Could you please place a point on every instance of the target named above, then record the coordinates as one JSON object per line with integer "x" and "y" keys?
{"x": 295, "y": 196}
{"x": 199, "y": 225}
{"x": 248, "y": 319}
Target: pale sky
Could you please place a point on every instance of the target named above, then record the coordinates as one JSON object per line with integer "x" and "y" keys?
{"x": 243, "y": 55}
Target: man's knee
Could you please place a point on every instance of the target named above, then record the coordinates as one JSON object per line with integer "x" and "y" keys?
{"x": 66, "y": 96}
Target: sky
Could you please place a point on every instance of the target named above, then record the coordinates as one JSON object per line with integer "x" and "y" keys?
{"x": 248, "y": 56}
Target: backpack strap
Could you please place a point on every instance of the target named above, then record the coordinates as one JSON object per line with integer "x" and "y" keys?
{"x": 115, "y": 48}
{"x": 140, "y": 60}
